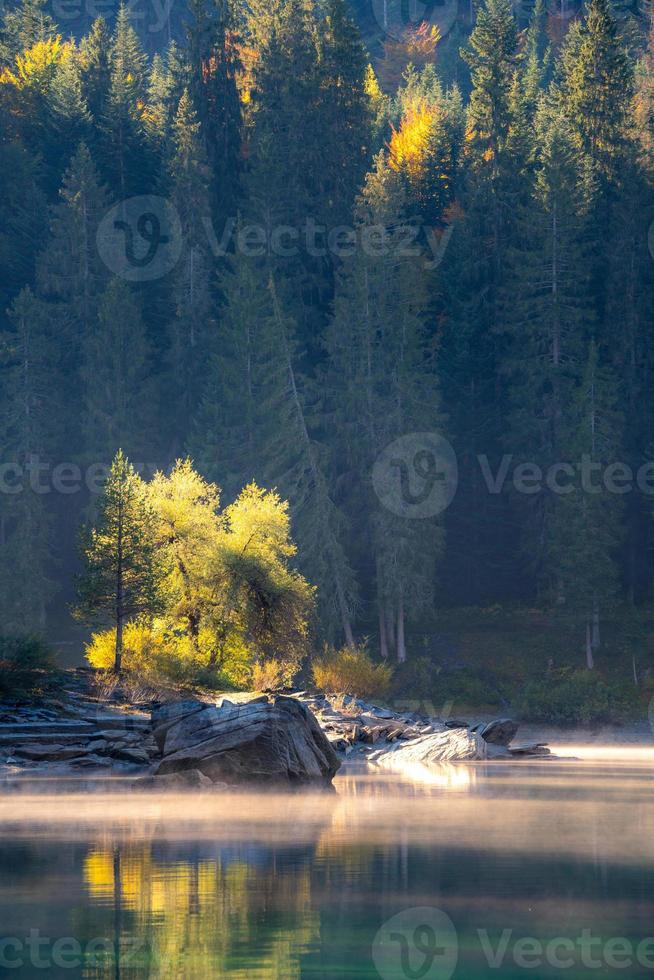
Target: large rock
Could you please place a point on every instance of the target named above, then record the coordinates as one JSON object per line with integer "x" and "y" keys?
{"x": 489, "y": 741}
{"x": 452, "y": 745}
{"x": 262, "y": 739}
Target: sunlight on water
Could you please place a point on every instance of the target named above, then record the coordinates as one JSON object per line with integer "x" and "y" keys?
{"x": 252, "y": 885}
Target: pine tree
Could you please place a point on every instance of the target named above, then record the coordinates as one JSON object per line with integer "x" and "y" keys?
{"x": 588, "y": 522}
{"x": 95, "y": 54}
{"x": 70, "y": 113}
{"x": 23, "y": 26}
{"x": 70, "y": 270}
{"x": 121, "y": 579}
{"x": 596, "y": 86}
{"x": 225, "y": 440}
{"x": 382, "y": 386}
{"x": 115, "y": 376}
{"x": 548, "y": 316}
{"x": 496, "y": 184}
{"x": 214, "y": 46}
{"x": 128, "y": 163}
{"x": 28, "y": 407}
{"x": 189, "y": 193}
{"x": 537, "y": 58}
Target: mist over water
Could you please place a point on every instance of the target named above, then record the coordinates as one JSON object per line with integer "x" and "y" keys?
{"x": 252, "y": 885}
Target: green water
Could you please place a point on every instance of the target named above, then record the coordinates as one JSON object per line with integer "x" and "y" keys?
{"x": 482, "y": 872}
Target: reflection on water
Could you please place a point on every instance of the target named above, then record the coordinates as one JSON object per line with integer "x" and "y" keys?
{"x": 289, "y": 886}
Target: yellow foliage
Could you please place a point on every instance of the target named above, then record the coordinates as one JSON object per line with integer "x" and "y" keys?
{"x": 351, "y": 671}
{"x": 259, "y": 524}
{"x": 36, "y": 66}
{"x": 141, "y": 646}
{"x": 371, "y": 85}
{"x": 409, "y": 144}
{"x": 272, "y": 675}
{"x": 155, "y": 654}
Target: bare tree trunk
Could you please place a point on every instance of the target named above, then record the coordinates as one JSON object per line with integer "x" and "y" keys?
{"x": 590, "y": 663}
{"x": 597, "y": 641}
{"x": 342, "y": 605}
{"x": 118, "y": 660}
{"x": 634, "y": 668}
{"x": 389, "y": 619}
{"x": 383, "y": 641}
{"x": 120, "y": 611}
{"x": 401, "y": 647}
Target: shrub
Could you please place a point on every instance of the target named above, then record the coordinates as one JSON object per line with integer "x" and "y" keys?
{"x": 352, "y": 671}
{"x": 27, "y": 666}
{"x": 152, "y": 656}
{"x": 273, "y": 674}
{"x": 568, "y": 697}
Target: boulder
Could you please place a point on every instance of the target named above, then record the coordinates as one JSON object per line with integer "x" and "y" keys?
{"x": 452, "y": 745}
{"x": 264, "y": 739}
{"x": 502, "y": 731}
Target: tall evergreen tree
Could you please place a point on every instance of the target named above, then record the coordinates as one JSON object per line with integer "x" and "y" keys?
{"x": 121, "y": 579}
{"x": 115, "y": 376}
{"x": 189, "y": 178}
{"x": 596, "y": 85}
{"x": 382, "y": 386}
{"x": 28, "y": 410}
{"x": 588, "y": 526}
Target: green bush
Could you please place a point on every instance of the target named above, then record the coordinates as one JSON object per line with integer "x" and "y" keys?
{"x": 569, "y": 697}
{"x": 27, "y": 666}
{"x": 416, "y": 678}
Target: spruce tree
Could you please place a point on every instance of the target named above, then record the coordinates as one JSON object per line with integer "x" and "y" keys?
{"x": 188, "y": 176}
{"x": 117, "y": 403}
{"x": 28, "y": 410}
{"x": 121, "y": 579}
{"x": 125, "y": 153}
{"x": 587, "y": 529}
{"x": 596, "y": 86}
{"x": 381, "y": 386}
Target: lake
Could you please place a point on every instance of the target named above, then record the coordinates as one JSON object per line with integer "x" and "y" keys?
{"x": 480, "y": 871}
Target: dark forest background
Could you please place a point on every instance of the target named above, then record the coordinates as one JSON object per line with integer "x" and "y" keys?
{"x": 469, "y": 194}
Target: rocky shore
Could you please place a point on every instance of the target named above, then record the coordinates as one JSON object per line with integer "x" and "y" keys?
{"x": 294, "y": 738}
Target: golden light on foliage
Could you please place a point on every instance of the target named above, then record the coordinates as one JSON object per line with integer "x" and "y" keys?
{"x": 36, "y": 66}
{"x": 409, "y": 145}
{"x": 371, "y": 85}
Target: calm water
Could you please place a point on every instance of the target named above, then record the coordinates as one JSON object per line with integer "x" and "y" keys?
{"x": 538, "y": 870}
